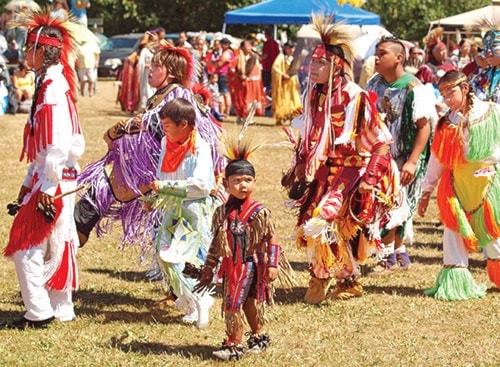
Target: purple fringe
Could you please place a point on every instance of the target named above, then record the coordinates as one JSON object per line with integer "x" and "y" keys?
{"x": 136, "y": 158}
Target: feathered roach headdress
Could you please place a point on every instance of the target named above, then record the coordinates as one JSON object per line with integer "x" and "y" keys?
{"x": 35, "y": 23}
{"x": 434, "y": 40}
{"x": 237, "y": 150}
{"x": 336, "y": 41}
{"x": 337, "y": 47}
{"x": 178, "y": 61}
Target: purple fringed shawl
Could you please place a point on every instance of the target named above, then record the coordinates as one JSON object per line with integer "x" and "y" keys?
{"x": 136, "y": 158}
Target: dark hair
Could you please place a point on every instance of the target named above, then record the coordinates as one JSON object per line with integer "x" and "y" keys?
{"x": 454, "y": 76}
{"x": 395, "y": 42}
{"x": 179, "y": 110}
{"x": 51, "y": 56}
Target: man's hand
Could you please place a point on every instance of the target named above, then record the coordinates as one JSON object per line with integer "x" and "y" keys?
{"x": 272, "y": 274}
{"x": 423, "y": 203}
{"x": 365, "y": 187}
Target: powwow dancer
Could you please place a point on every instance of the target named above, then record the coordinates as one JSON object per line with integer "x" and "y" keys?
{"x": 130, "y": 165}
{"x": 465, "y": 161}
{"x": 408, "y": 109}
{"x": 185, "y": 182}
{"x": 344, "y": 154}
{"x": 245, "y": 240}
{"x": 43, "y": 239}
{"x": 487, "y": 82}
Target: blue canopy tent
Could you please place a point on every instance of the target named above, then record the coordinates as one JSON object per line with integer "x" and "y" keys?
{"x": 297, "y": 12}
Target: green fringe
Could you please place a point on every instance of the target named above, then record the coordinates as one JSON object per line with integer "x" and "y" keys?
{"x": 456, "y": 284}
{"x": 484, "y": 135}
{"x": 463, "y": 224}
{"x": 477, "y": 219}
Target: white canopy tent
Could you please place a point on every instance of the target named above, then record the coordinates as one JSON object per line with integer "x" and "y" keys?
{"x": 472, "y": 20}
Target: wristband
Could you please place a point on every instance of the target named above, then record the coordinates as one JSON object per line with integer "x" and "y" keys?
{"x": 273, "y": 254}
{"x": 377, "y": 167}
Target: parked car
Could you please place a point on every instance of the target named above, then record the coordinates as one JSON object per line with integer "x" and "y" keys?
{"x": 115, "y": 51}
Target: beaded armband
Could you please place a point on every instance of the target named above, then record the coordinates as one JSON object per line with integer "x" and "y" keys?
{"x": 377, "y": 167}
{"x": 273, "y": 254}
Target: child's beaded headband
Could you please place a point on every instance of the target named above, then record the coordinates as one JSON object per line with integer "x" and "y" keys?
{"x": 445, "y": 86}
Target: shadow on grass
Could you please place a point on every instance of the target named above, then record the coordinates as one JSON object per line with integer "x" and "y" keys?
{"x": 394, "y": 290}
{"x": 288, "y": 297}
{"x": 131, "y": 276}
{"x": 299, "y": 265}
{"x": 94, "y": 304}
{"x": 134, "y": 346}
{"x": 433, "y": 260}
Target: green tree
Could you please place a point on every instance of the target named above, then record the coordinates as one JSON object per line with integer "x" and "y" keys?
{"x": 409, "y": 19}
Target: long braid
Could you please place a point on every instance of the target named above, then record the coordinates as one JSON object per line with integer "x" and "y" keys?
{"x": 51, "y": 56}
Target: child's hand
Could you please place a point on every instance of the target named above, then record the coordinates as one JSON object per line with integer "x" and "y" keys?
{"x": 423, "y": 203}
{"x": 272, "y": 274}
{"x": 154, "y": 185}
{"x": 148, "y": 206}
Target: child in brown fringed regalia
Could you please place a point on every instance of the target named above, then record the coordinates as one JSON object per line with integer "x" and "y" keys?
{"x": 245, "y": 239}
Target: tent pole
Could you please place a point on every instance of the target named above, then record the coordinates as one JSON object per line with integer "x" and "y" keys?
{"x": 224, "y": 28}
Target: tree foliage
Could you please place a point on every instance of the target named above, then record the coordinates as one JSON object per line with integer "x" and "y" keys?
{"x": 408, "y": 19}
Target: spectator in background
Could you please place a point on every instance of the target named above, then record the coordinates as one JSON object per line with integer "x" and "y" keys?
{"x": 221, "y": 65}
{"x": 246, "y": 83}
{"x": 437, "y": 57}
{"x": 5, "y": 18}
{"x": 88, "y": 61}
{"x": 144, "y": 63}
{"x": 270, "y": 50}
{"x": 24, "y": 82}
{"x": 464, "y": 56}
{"x": 60, "y": 10}
{"x": 285, "y": 91}
{"x": 79, "y": 10}
{"x": 214, "y": 103}
{"x": 182, "y": 41}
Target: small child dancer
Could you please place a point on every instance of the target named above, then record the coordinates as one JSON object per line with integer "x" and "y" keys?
{"x": 185, "y": 181}
{"x": 245, "y": 239}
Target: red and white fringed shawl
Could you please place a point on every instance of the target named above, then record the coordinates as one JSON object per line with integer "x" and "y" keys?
{"x": 38, "y": 134}
{"x": 30, "y": 228}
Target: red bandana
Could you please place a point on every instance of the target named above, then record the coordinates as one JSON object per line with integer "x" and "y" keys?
{"x": 175, "y": 153}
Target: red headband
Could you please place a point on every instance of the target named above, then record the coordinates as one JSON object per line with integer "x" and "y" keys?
{"x": 439, "y": 46}
{"x": 322, "y": 52}
{"x": 44, "y": 40}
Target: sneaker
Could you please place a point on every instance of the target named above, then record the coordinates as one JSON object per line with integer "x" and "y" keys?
{"x": 257, "y": 343}
{"x": 24, "y": 323}
{"x": 192, "y": 315}
{"x": 232, "y": 352}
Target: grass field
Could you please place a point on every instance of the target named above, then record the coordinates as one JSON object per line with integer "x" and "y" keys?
{"x": 120, "y": 322}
